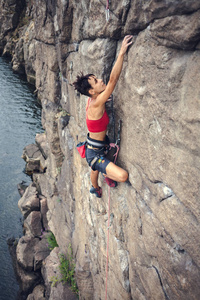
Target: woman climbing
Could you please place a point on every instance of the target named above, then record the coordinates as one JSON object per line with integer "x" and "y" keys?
{"x": 97, "y": 121}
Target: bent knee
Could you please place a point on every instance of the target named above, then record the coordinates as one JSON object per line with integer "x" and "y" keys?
{"x": 123, "y": 176}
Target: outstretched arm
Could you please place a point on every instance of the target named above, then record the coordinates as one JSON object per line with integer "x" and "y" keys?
{"x": 115, "y": 73}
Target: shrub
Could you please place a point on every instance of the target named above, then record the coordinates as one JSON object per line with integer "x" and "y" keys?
{"x": 50, "y": 237}
{"x": 51, "y": 240}
{"x": 67, "y": 270}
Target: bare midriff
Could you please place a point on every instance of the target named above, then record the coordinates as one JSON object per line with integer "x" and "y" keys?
{"x": 99, "y": 136}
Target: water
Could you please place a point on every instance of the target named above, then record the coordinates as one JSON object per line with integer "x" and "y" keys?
{"x": 19, "y": 122}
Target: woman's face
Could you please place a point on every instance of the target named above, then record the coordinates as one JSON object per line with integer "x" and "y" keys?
{"x": 98, "y": 86}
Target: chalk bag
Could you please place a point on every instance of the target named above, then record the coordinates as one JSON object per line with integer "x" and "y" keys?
{"x": 81, "y": 147}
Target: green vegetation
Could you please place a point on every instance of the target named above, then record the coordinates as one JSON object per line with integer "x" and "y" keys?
{"x": 67, "y": 270}
{"x": 52, "y": 243}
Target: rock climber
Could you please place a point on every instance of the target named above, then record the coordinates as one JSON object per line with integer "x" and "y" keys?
{"x": 97, "y": 121}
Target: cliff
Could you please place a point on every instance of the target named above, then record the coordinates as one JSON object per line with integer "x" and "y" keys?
{"x": 154, "y": 247}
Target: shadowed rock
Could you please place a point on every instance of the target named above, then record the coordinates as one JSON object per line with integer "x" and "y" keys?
{"x": 41, "y": 251}
{"x": 22, "y": 188}
{"x": 38, "y": 293}
{"x": 25, "y": 252}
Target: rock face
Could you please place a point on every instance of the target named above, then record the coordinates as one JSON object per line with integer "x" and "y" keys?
{"x": 50, "y": 272}
{"x": 154, "y": 248}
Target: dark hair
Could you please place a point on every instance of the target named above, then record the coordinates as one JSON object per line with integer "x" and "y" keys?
{"x": 82, "y": 85}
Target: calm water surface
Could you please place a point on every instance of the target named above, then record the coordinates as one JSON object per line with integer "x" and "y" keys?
{"x": 19, "y": 122}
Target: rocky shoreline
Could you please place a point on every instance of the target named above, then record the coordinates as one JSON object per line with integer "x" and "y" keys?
{"x": 34, "y": 263}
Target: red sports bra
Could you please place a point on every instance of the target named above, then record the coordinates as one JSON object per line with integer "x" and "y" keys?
{"x": 97, "y": 125}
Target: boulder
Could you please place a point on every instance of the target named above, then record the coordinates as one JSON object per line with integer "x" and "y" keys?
{"x": 44, "y": 210}
{"x": 22, "y": 188}
{"x": 27, "y": 281}
{"x": 34, "y": 159}
{"x": 38, "y": 293}
{"x": 41, "y": 142}
{"x": 32, "y": 224}
{"x": 31, "y": 252}
{"x": 41, "y": 252}
{"x": 29, "y": 201}
{"x": 25, "y": 252}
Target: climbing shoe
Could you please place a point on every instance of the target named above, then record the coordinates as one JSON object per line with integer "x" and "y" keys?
{"x": 110, "y": 182}
{"x": 97, "y": 192}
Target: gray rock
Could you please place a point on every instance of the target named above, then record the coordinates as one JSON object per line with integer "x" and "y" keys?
{"x": 44, "y": 210}
{"x": 34, "y": 159}
{"x": 29, "y": 201}
{"x": 22, "y": 188}
{"x": 32, "y": 224}
{"x": 50, "y": 272}
{"x": 170, "y": 33}
{"x": 41, "y": 142}
{"x": 27, "y": 281}
{"x": 41, "y": 252}
{"x": 38, "y": 293}
{"x": 25, "y": 252}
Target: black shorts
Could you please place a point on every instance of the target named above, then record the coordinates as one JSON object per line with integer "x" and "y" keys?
{"x": 101, "y": 163}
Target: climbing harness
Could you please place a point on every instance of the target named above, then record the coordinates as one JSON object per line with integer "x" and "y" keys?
{"x": 108, "y": 226}
{"x": 107, "y": 11}
{"x": 97, "y": 144}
